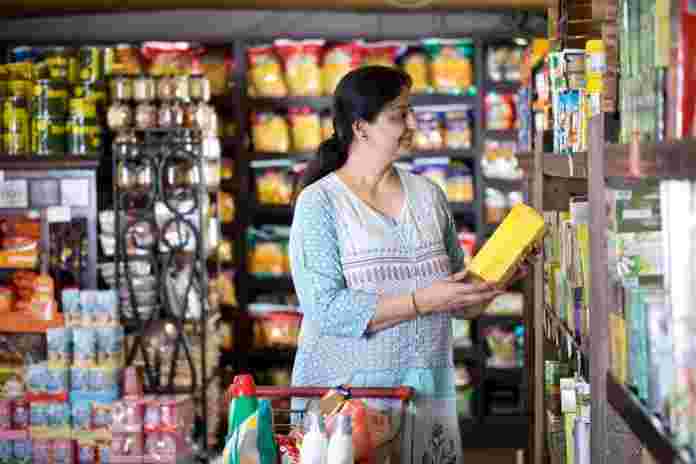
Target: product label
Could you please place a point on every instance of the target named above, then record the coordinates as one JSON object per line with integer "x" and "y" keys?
{"x": 14, "y": 194}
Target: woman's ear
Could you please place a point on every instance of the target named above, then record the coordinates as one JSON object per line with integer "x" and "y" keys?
{"x": 359, "y": 130}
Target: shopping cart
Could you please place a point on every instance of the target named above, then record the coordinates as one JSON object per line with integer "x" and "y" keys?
{"x": 286, "y": 419}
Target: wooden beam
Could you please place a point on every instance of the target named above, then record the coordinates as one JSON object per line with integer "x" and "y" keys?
{"x": 49, "y": 7}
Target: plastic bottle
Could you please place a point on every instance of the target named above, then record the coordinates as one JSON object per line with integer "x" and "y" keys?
{"x": 314, "y": 443}
{"x": 341, "y": 443}
{"x": 241, "y": 445}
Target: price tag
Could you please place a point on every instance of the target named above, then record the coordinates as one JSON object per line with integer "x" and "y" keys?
{"x": 58, "y": 214}
{"x": 14, "y": 194}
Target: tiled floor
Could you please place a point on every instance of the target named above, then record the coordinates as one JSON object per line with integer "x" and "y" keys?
{"x": 491, "y": 456}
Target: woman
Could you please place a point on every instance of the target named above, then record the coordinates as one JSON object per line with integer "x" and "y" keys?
{"x": 377, "y": 266}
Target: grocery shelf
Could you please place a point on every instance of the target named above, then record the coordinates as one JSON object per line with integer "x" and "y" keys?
{"x": 462, "y": 209}
{"x": 452, "y": 154}
{"x": 504, "y": 185}
{"x": 271, "y": 284}
{"x": 268, "y": 155}
{"x": 646, "y": 427}
{"x": 508, "y": 376}
{"x": 668, "y": 160}
{"x": 272, "y": 214}
{"x": 317, "y": 103}
{"x": 501, "y": 134}
{"x": 504, "y": 87}
{"x": 36, "y": 162}
{"x": 556, "y": 165}
{"x": 492, "y": 319}
{"x": 442, "y": 99}
{"x": 467, "y": 353}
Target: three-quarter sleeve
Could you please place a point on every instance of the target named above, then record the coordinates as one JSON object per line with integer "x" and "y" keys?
{"x": 454, "y": 249}
{"x": 317, "y": 272}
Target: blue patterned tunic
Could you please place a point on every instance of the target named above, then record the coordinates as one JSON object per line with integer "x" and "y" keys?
{"x": 344, "y": 255}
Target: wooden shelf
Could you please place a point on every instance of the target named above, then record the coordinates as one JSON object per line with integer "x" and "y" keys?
{"x": 511, "y": 376}
{"x": 501, "y": 134}
{"x": 452, "y": 154}
{"x": 35, "y": 162}
{"x": 504, "y": 87}
{"x": 646, "y": 427}
{"x": 555, "y": 165}
{"x": 271, "y": 284}
{"x": 505, "y": 185}
{"x": 462, "y": 209}
{"x": 664, "y": 160}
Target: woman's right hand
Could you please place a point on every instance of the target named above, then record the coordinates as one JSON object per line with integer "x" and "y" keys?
{"x": 456, "y": 293}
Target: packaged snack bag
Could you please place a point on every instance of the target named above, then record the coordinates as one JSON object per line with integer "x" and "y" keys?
{"x": 451, "y": 70}
{"x": 415, "y": 63}
{"x": 338, "y": 61}
{"x": 301, "y": 62}
{"x": 306, "y": 128}
{"x": 381, "y": 53}
{"x": 265, "y": 72}
{"x": 270, "y": 132}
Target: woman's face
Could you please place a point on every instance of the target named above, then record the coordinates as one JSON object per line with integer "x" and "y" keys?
{"x": 393, "y": 128}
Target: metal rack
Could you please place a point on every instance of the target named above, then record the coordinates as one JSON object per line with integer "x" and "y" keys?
{"x": 162, "y": 224}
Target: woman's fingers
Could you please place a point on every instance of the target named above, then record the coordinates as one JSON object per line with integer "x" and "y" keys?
{"x": 458, "y": 276}
{"x": 478, "y": 297}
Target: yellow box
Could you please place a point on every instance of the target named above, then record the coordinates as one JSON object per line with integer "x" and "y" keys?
{"x": 512, "y": 241}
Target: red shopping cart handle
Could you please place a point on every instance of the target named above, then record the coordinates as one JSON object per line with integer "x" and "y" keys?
{"x": 398, "y": 393}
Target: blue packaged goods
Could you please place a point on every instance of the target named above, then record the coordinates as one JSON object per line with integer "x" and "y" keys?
{"x": 21, "y": 451}
{"x": 79, "y": 379}
{"x": 110, "y": 346}
{"x": 89, "y": 304}
{"x": 59, "y": 347}
{"x": 81, "y": 416}
{"x": 5, "y": 450}
{"x": 37, "y": 378}
{"x": 104, "y": 380}
{"x": 58, "y": 381}
{"x": 71, "y": 307}
{"x": 107, "y": 308}
{"x": 85, "y": 345}
{"x": 39, "y": 415}
{"x": 86, "y": 453}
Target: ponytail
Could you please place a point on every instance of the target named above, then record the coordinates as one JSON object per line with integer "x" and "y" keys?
{"x": 331, "y": 156}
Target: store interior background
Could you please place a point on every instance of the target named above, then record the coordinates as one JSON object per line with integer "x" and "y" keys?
{"x": 235, "y": 24}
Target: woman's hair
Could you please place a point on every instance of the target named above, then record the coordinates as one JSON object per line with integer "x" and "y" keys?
{"x": 361, "y": 95}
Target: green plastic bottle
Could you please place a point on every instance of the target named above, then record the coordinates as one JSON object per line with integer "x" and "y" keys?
{"x": 241, "y": 446}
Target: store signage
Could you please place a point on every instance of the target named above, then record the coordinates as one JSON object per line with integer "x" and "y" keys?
{"x": 14, "y": 194}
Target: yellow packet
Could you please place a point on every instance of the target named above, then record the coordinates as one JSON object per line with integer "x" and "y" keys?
{"x": 512, "y": 241}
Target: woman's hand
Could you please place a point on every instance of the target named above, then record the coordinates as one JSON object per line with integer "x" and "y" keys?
{"x": 456, "y": 293}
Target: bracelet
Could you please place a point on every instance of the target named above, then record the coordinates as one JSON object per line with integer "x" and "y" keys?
{"x": 415, "y": 306}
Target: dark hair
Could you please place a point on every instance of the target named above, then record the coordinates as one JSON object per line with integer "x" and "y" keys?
{"x": 361, "y": 95}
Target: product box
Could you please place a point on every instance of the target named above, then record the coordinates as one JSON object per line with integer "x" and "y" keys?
{"x": 166, "y": 447}
{"x": 636, "y": 257}
{"x": 635, "y": 208}
{"x": 513, "y": 240}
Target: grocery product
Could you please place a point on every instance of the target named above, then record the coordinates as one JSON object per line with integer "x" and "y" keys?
{"x": 451, "y": 70}
{"x": 305, "y": 128}
{"x": 516, "y": 236}
{"x": 500, "y": 111}
{"x": 268, "y": 251}
{"x": 415, "y": 63}
{"x": 381, "y": 53}
{"x": 270, "y": 132}
{"x": 429, "y": 132}
{"x": 457, "y": 130}
{"x": 274, "y": 181}
{"x": 277, "y": 329}
{"x": 339, "y": 60}
{"x": 265, "y": 72}
{"x": 301, "y": 63}
{"x": 504, "y": 63}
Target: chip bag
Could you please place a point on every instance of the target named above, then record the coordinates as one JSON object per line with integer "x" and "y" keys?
{"x": 306, "y": 128}
{"x": 381, "y": 53}
{"x": 451, "y": 71}
{"x": 301, "y": 62}
{"x": 266, "y": 73}
{"x": 415, "y": 63}
{"x": 338, "y": 61}
{"x": 270, "y": 132}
